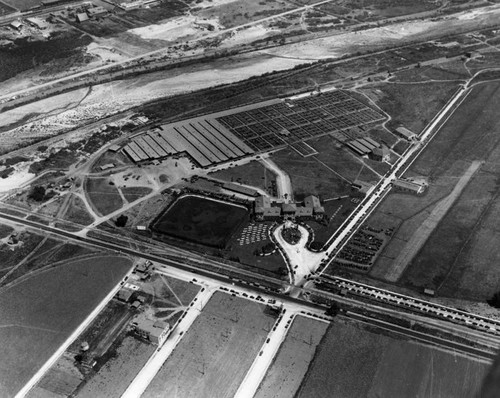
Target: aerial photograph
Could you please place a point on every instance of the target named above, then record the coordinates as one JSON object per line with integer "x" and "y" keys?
{"x": 249, "y": 198}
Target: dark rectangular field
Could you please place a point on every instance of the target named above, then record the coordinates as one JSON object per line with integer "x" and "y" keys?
{"x": 201, "y": 220}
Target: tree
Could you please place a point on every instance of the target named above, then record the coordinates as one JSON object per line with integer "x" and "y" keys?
{"x": 121, "y": 221}
{"x": 333, "y": 310}
{"x": 37, "y": 193}
{"x": 495, "y": 300}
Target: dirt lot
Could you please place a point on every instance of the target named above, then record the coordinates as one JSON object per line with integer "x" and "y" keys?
{"x": 290, "y": 364}
{"x": 39, "y": 313}
{"x": 213, "y": 357}
{"x": 104, "y": 197}
{"x": 354, "y": 362}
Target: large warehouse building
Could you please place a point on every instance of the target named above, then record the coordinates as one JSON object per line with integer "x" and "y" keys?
{"x": 206, "y": 142}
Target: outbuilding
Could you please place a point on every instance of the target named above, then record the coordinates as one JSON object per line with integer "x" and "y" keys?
{"x": 17, "y": 25}
{"x": 403, "y": 132}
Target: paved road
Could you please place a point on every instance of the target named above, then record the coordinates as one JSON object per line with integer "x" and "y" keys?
{"x": 283, "y": 182}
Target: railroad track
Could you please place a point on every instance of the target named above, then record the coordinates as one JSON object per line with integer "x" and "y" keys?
{"x": 471, "y": 320}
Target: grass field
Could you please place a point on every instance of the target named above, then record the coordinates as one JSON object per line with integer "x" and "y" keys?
{"x": 169, "y": 297}
{"x": 352, "y": 361}
{"x": 77, "y": 212}
{"x": 310, "y": 177}
{"x": 253, "y": 173}
{"x": 240, "y": 11}
{"x": 133, "y": 193}
{"x": 5, "y": 9}
{"x": 201, "y": 220}
{"x": 115, "y": 376}
{"x": 39, "y": 313}
{"x": 290, "y": 364}
{"x": 456, "y": 260}
{"x": 118, "y": 355}
{"x": 213, "y": 357}
{"x": 104, "y": 197}
{"x": 10, "y": 256}
{"x": 48, "y": 252}
{"x": 411, "y": 105}
{"x": 62, "y": 49}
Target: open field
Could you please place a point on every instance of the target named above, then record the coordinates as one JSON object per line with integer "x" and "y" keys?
{"x": 213, "y": 357}
{"x": 201, "y": 220}
{"x": 424, "y": 231}
{"x": 343, "y": 161}
{"x": 48, "y": 253}
{"x": 253, "y": 173}
{"x": 131, "y": 194}
{"x": 237, "y": 12}
{"x": 468, "y": 136}
{"x": 457, "y": 259}
{"x": 103, "y": 196}
{"x": 411, "y": 105}
{"x": 5, "y": 9}
{"x": 115, "y": 376}
{"x": 169, "y": 297}
{"x": 310, "y": 177}
{"x": 62, "y": 50}
{"x": 353, "y": 361}
{"x": 10, "y": 256}
{"x": 290, "y": 364}
{"x": 39, "y": 313}
{"x": 77, "y": 212}
{"x": 117, "y": 354}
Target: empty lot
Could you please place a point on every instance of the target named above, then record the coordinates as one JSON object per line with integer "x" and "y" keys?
{"x": 352, "y": 361}
{"x": 39, "y": 313}
{"x": 213, "y": 357}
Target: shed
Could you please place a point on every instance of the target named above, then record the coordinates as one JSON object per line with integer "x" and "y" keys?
{"x": 17, "y": 25}
{"x": 92, "y": 12}
{"x": 403, "y": 132}
{"x": 81, "y": 17}
{"x": 125, "y": 295}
